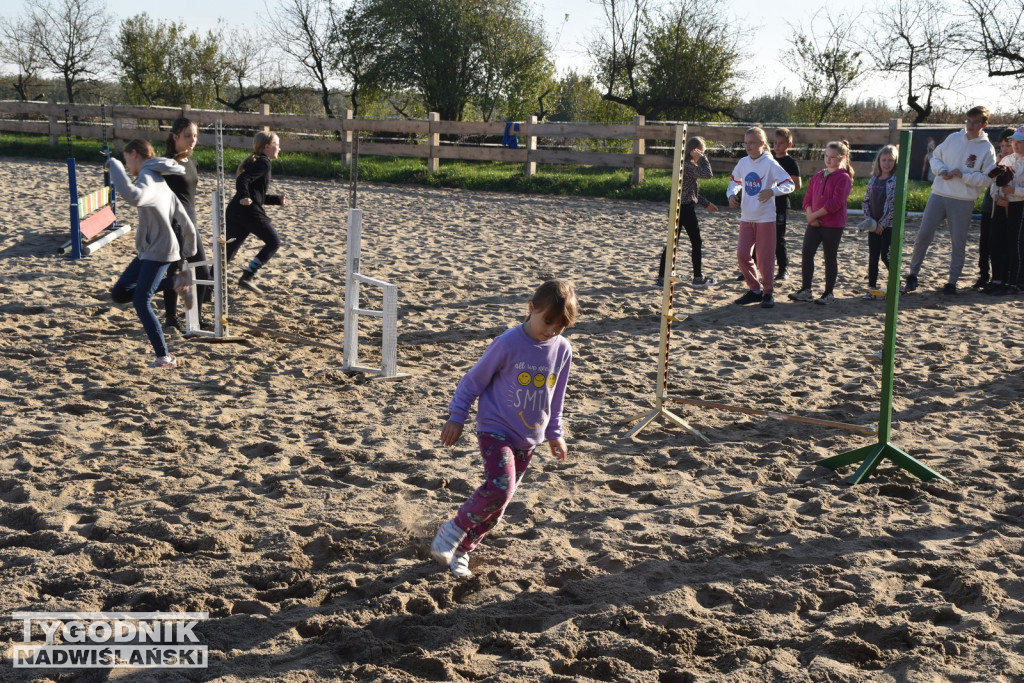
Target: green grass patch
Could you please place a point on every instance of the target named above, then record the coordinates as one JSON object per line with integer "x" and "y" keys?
{"x": 492, "y": 176}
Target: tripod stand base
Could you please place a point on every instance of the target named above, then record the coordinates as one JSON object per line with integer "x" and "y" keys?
{"x": 871, "y": 456}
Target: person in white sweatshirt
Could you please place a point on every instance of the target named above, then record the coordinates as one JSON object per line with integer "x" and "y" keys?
{"x": 753, "y": 186}
{"x": 155, "y": 241}
{"x": 961, "y": 165}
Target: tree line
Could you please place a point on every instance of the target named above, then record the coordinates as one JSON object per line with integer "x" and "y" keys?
{"x": 493, "y": 59}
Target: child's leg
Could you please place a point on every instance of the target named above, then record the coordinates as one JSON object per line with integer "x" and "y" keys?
{"x": 874, "y": 251}
{"x": 688, "y": 217}
{"x": 780, "y": 242}
{"x": 503, "y": 470}
{"x": 764, "y": 240}
{"x": 934, "y": 213}
{"x": 830, "y": 238}
{"x": 886, "y": 242}
{"x": 664, "y": 250}
{"x": 744, "y": 255}
{"x": 812, "y": 238}
{"x": 984, "y": 246}
{"x": 151, "y": 277}
{"x": 271, "y": 243}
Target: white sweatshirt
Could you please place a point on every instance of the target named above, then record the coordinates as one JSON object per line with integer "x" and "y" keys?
{"x": 750, "y": 177}
{"x": 1013, "y": 192}
{"x": 974, "y": 158}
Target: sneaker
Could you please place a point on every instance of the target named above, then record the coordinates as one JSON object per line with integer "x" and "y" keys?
{"x": 949, "y": 289}
{"x": 182, "y": 283}
{"x": 802, "y": 295}
{"x": 825, "y": 299}
{"x": 700, "y": 282}
{"x": 911, "y": 283}
{"x": 164, "y": 363}
{"x": 459, "y": 565}
{"x": 768, "y": 300}
{"x": 740, "y": 278}
{"x": 870, "y": 297}
{"x": 981, "y": 282}
{"x": 246, "y": 281}
{"x": 782, "y": 275}
{"x": 750, "y": 297}
{"x": 660, "y": 282}
{"x": 997, "y": 289}
{"x": 447, "y": 540}
{"x": 173, "y": 322}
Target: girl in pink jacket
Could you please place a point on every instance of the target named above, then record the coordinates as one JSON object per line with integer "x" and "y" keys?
{"x": 825, "y": 206}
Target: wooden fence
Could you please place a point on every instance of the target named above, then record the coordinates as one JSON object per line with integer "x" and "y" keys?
{"x": 638, "y": 145}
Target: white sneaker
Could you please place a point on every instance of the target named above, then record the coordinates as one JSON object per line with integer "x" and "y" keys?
{"x": 460, "y": 565}
{"x": 447, "y": 540}
{"x": 802, "y": 295}
{"x": 164, "y": 363}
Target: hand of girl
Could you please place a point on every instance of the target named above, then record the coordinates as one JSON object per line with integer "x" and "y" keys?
{"x": 558, "y": 448}
{"x": 245, "y": 201}
{"x": 734, "y": 202}
{"x": 450, "y": 433}
{"x": 712, "y": 208}
{"x": 765, "y": 195}
{"x": 696, "y": 154}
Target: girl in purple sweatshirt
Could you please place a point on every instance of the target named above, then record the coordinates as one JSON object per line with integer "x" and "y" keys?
{"x": 520, "y": 383}
{"x": 825, "y": 205}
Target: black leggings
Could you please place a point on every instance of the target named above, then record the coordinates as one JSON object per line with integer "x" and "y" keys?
{"x": 687, "y": 221}
{"x": 878, "y": 248}
{"x": 251, "y": 223}
{"x": 829, "y": 239}
{"x": 202, "y": 273}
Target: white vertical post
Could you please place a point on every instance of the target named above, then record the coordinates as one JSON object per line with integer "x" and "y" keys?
{"x": 350, "y": 346}
{"x": 389, "y": 334}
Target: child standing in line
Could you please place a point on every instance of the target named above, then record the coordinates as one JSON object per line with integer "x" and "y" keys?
{"x": 825, "y": 205}
{"x": 695, "y": 166}
{"x": 1007, "y": 230}
{"x": 783, "y": 141}
{"x": 879, "y": 206}
{"x": 520, "y": 382}
{"x": 756, "y": 180}
{"x": 991, "y": 239}
{"x": 245, "y": 214}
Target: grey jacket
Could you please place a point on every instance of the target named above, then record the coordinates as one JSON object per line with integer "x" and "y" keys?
{"x": 158, "y": 209}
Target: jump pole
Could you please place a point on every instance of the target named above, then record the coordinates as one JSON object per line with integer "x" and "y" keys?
{"x": 871, "y": 456}
{"x": 668, "y": 315}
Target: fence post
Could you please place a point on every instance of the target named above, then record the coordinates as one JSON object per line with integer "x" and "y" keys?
{"x": 433, "y": 142}
{"x": 265, "y": 111}
{"x": 895, "y": 126}
{"x": 346, "y": 127}
{"x": 52, "y": 122}
{"x": 639, "y": 147}
{"x": 530, "y": 169}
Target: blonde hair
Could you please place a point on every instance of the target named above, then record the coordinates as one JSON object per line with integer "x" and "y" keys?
{"x": 556, "y": 298}
{"x": 759, "y": 132}
{"x": 892, "y": 150}
{"x": 259, "y": 143}
{"x": 842, "y": 148}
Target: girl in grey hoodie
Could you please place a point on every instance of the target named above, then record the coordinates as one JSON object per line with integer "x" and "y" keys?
{"x": 154, "y": 240}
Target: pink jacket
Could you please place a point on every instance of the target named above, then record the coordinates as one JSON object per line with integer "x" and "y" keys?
{"x": 829, "y": 192}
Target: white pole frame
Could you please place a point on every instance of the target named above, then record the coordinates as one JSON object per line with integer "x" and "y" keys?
{"x": 388, "y": 313}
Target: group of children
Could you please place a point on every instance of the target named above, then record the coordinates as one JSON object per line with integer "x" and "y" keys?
{"x": 164, "y": 191}
{"x": 759, "y": 186}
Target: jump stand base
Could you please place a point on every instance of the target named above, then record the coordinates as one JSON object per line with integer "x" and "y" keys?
{"x": 871, "y": 456}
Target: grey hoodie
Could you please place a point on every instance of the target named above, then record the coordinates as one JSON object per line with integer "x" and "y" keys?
{"x": 158, "y": 208}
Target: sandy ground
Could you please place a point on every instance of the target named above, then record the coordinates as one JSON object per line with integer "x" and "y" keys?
{"x": 295, "y": 502}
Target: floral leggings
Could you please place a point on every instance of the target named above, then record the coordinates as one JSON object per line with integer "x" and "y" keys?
{"x": 504, "y": 468}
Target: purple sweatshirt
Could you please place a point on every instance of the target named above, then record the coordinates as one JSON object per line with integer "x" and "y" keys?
{"x": 521, "y": 386}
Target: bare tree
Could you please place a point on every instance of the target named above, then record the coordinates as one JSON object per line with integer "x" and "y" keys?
{"x": 306, "y": 29}
{"x": 69, "y": 35}
{"x": 917, "y": 40}
{"x": 999, "y": 36}
{"x": 18, "y": 50}
{"x": 249, "y": 72}
{"x": 829, "y": 62}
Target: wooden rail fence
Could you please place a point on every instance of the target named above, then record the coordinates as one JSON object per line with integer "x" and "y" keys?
{"x": 638, "y": 145}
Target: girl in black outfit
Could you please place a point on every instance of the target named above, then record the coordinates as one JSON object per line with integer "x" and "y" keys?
{"x": 181, "y": 141}
{"x": 245, "y": 212}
